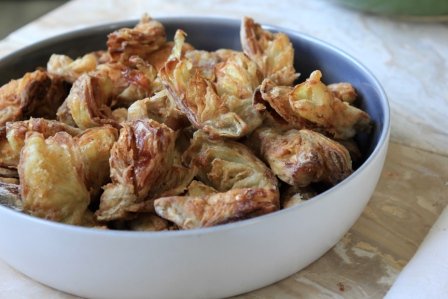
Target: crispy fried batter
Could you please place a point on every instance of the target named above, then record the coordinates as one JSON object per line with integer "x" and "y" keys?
{"x": 313, "y": 101}
{"x": 62, "y": 66}
{"x": 161, "y": 108}
{"x": 343, "y": 91}
{"x": 120, "y": 115}
{"x": 142, "y": 154}
{"x": 89, "y": 101}
{"x": 160, "y": 56}
{"x": 132, "y": 81}
{"x": 142, "y": 40}
{"x": 206, "y": 61}
{"x": 52, "y": 179}
{"x": 300, "y": 157}
{"x": 226, "y": 165}
{"x": 312, "y": 105}
{"x": 198, "y": 188}
{"x": 16, "y": 131}
{"x": 202, "y": 211}
{"x": 278, "y": 99}
{"x": 35, "y": 94}
{"x": 273, "y": 53}
{"x": 94, "y": 147}
{"x": 8, "y": 156}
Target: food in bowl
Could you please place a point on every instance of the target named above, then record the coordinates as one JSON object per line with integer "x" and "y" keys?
{"x": 157, "y": 135}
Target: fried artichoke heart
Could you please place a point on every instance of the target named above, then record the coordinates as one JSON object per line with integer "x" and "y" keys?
{"x": 16, "y": 131}
{"x": 215, "y": 108}
{"x": 273, "y": 53}
{"x": 158, "y": 58}
{"x": 35, "y": 94}
{"x": 239, "y": 186}
{"x": 89, "y": 101}
{"x": 64, "y": 67}
{"x": 131, "y": 82}
{"x": 52, "y": 179}
{"x": 343, "y": 91}
{"x": 142, "y": 40}
{"x": 190, "y": 212}
{"x": 312, "y": 105}
{"x": 206, "y": 61}
{"x": 8, "y": 156}
{"x": 301, "y": 157}
{"x": 198, "y": 188}
{"x": 162, "y": 108}
{"x": 140, "y": 157}
{"x": 94, "y": 146}
{"x": 226, "y": 164}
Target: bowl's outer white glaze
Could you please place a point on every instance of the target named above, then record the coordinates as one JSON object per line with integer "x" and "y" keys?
{"x": 207, "y": 263}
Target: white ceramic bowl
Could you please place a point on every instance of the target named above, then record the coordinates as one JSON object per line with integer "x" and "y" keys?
{"x": 205, "y": 263}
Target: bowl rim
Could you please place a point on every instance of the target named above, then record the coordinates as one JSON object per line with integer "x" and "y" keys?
{"x": 382, "y": 141}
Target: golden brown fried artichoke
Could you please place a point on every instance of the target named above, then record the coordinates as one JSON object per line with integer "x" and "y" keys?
{"x": 202, "y": 211}
{"x": 241, "y": 186}
{"x": 142, "y": 40}
{"x": 300, "y": 157}
{"x": 16, "y": 131}
{"x": 161, "y": 108}
{"x": 89, "y": 101}
{"x": 94, "y": 146}
{"x": 217, "y": 109}
{"x": 35, "y": 94}
{"x": 140, "y": 157}
{"x": 312, "y": 105}
{"x": 62, "y": 66}
{"x": 273, "y": 53}
{"x": 343, "y": 91}
{"x": 52, "y": 179}
{"x": 225, "y": 165}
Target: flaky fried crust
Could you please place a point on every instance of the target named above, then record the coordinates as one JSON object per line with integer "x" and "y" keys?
{"x": 16, "y": 131}
{"x": 312, "y": 105}
{"x": 62, "y": 66}
{"x": 89, "y": 102}
{"x": 52, "y": 179}
{"x": 207, "y": 105}
{"x": 94, "y": 146}
{"x": 273, "y": 53}
{"x": 225, "y": 164}
{"x": 130, "y": 82}
{"x": 313, "y": 101}
{"x": 162, "y": 108}
{"x": 142, "y": 40}
{"x": 300, "y": 157}
{"x": 142, "y": 154}
{"x": 35, "y": 94}
{"x": 343, "y": 91}
{"x": 202, "y": 211}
